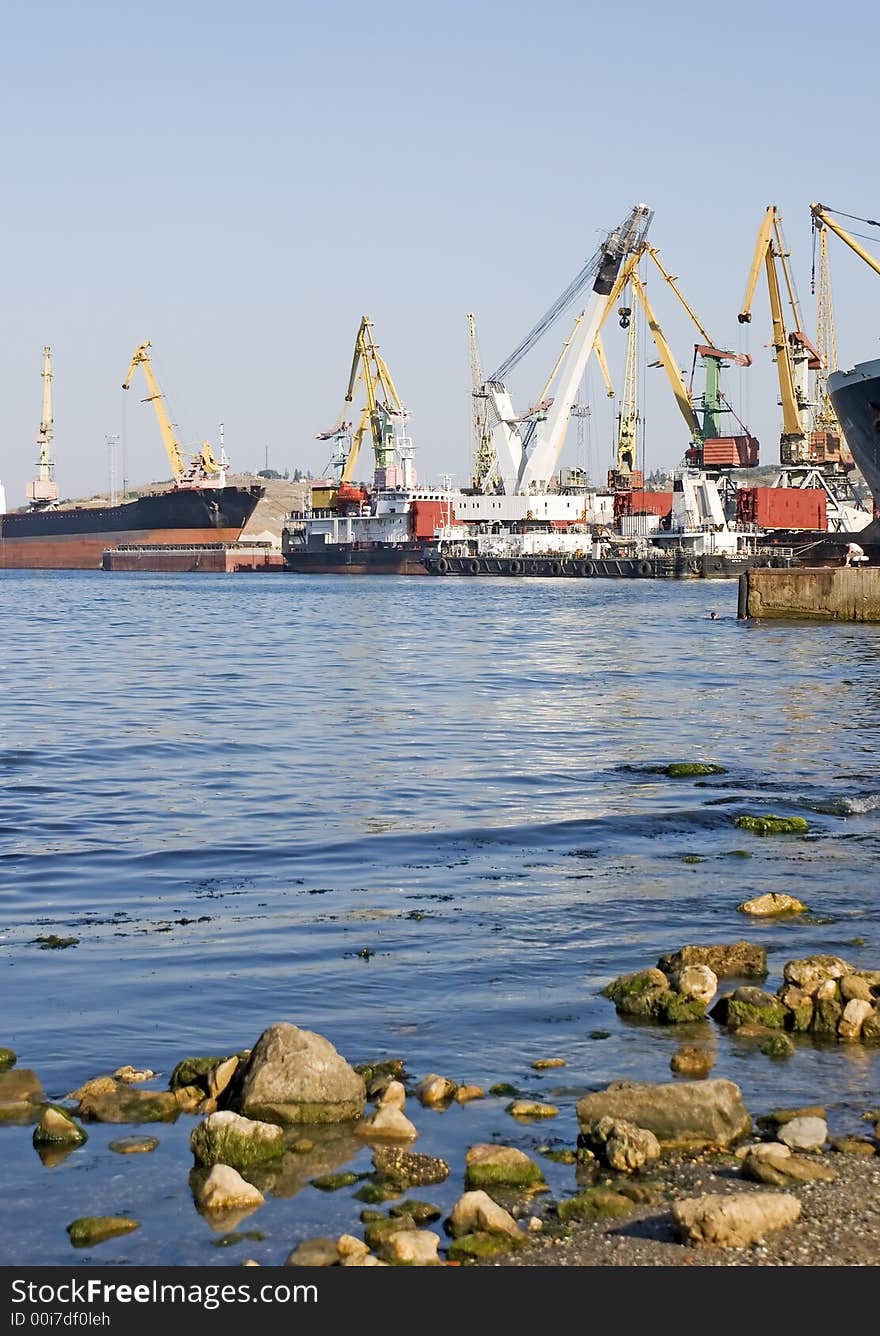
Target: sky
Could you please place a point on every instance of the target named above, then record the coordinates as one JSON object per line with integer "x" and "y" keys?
{"x": 240, "y": 184}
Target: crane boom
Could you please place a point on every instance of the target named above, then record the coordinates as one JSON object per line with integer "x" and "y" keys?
{"x": 42, "y": 492}
{"x": 382, "y": 403}
{"x": 670, "y": 366}
{"x": 142, "y": 358}
{"x": 821, "y": 213}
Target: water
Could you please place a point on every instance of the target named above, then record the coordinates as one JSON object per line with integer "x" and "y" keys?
{"x": 421, "y": 817}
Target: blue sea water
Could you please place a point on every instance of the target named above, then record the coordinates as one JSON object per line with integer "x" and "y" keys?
{"x": 424, "y": 818}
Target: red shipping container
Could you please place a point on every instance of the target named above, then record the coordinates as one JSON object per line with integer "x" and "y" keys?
{"x": 426, "y": 516}
{"x": 782, "y": 507}
{"x": 642, "y": 503}
{"x": 731, "y": 452}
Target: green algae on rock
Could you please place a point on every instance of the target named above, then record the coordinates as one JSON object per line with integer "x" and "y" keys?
{"x": 685, "y": 769}
{"x": 481, "y": 1247}
{"x": 52, "y": 942}
{"x": 595, "y": 1204}
{"x": 488, "y": 1166}
{"x": 91, "y": 1229}
{"x": 772, "y": 825}
{"x": 57, "y": 1128}
{"x": 333, "y": 1182}
{"x": 8, "y": 1058}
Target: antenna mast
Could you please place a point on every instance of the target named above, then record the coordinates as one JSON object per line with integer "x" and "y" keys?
{"x": 42, "y": 493}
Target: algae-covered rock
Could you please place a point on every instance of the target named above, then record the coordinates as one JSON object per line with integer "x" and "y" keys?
{"x": 204, "y": 1072}
{"x": 798, "y": 1005}
{"x": 333, "y": 1182}
{"x": 639, "y": 994}
{"x": 314, "y": 1252}
{"x": 124, "y": 1105}
{"x": 686, "y": 769}
{"x": 530, "y": 1108}
{"x": 8, "y": 1058}
{"x": 545, "y": 1064}
{"x": 134, "y": 1145}
{"x": 227, "y": 1138}
{"x": 408, "y": 1168}
{"x": 488, "y": 1166}
{"x": 91, "y": 1229}
{"x": 57, "y": 1128}
{"x": 691, "y": 1060}
{"x": 676, "y": 1009}
{"x": 777, "y": 1046}
{"x": 377, "y": 1231}
{"x": 595, "y": 1204}
{"x": 53, "y": 942}
{"x": 771, "y": 824}
{"x": 741, "y": 960}
{"x": 747, "y": 1006}
{"x": 479, "y": 1247}
{"x": 422, "y": 1212}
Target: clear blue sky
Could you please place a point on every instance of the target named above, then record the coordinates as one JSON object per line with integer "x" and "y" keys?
{"x": 239, "y": 184}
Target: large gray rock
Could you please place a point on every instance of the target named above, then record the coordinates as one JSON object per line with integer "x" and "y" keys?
{"x": 681, "y": 1113}
{"x": 734, "y": 1220}
{"x": 297, "y": 1076}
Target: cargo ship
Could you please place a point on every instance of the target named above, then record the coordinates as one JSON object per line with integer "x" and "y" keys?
{"x": 198, "y": 507}
{"x": 76, "y": 537}
{"x": 855, "y": 395}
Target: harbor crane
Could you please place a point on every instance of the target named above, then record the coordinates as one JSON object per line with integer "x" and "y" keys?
{"x": 42, "y": 492}
{"x": 201, "y": 469}
{"x": 383, "y": 407}
{"x": 796, "y": 356}
{"x": 526, "y": 447}
{"x": 481, "y": 429}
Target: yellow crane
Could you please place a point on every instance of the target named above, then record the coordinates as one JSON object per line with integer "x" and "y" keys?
{"x": 794, "y": 353}
{"x": 622, "y": 476}
{"x": 203, "y": 468}
{"x": 382, "y": 406}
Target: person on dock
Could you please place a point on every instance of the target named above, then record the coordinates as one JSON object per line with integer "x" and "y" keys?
{"x": 855, "y": 555}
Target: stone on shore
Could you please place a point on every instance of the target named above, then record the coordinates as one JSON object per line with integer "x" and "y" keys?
{"x": 392, "y": 1095}
{"x": 224, "y": 1189}
{"x": 314, "y": 1252}
{"x": 475, "y": 1212}
{"x": 91, "y": 1229}
{"x": 134, "y": 1145}
{"x": 772, "y": 903}
{"x": 228, "y": 1138}
{"x": 414, "y": 1247}
{"x": 810, "y": 972}
{"x": 804, "y": 1133}
{"x": 749, "y": 1005}
{"x": 465, "y": 1093}
{"x": 57, "y": 1128}
{"x": 620, "y": 1144}
{"x": 595, "y": 1203}
{"x": 489, "y": 1166}
{"x": 685, "y": 1114}
{"x": 777, "y": 1167}
{"x": 297, "y": 1076}
{"x": 697, "y": 981}
{"x": 734, "y": 1220}
{"x": 855, "y": 1013}
{"x": 740, "y": 960}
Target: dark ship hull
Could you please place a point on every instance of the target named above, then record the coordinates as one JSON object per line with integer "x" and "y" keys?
{"x": 76, "y": 538}
{"x": 855, "y": 395}
{"x": 357, "y": 559}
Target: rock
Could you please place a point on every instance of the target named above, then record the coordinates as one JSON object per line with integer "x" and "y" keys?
{"x": 416, "y": 1247}
{"x": 465, "y": 1093}
{"x": 765, "y": 906}
{"x": 297, "y": 1076}
{"x": 225, "y": 1189}
{"x": 853, "y": 1145}
{"x": 779, "y": 1117}
{"x": 740, "y": 960}
{"x": 348, "y": 1246}
{"x": 302, "y": 1146}
{"x": 733, "y": 1220}
{"x": 314, "y": 1252}
{"x": 476, "y": 1212}
{"x": 696, "y": 981}
{"x": 855, "y": 986}
{"x": 855, "y": 1013}
{"x": 20, "y": 1091}
{"x": 595, "y": 1204}
{"x": 421, "y": 1212}
{"x": 408, "y": 1168}
{"x": 480, "y": 1247}
{"x": 489, "y": 1166}
{"x": 333, "y": 1182}
{"x": 208, "y": 1073}
{"x": 387, "y": 1124}
{"x": 529, "y": 1108}
{"x": 57, "y": 1128}
{"x": 680, "y": 1114}
{"x": 435, "y": 1091}
{"x": 544, "y": 1064}
{"x": 798, "y": 1005}
{"x": 804, "y": 1133}
{"x": 130, "y": 1075}
{"x": 811, "y": 971}
{"x": 98, "y": 1085}
{"x": 134, "y": 1145}
{"x": 690, "y": 1060}
{"x": 638, "y": 994}
{"x": 782, "y": 1169}
{"x": 228, "y": 1138}
{"x": 827, "y": 1008}
{"x": 366, "y": 1260}
{"x": 392, "y": 1095}
{"x": 749, "y": 1004}
{"x": 91, "y": 1229}
{"x": 871, "y": 1027}
{"x": 124, "y": 1105}
{"x": 772, "y": 825}
{"x": 685, "y": 769}
{"x": 191, "y": 1098}
{"x": 620, "y": 1144}
{"x": 8, "y": 1058}
{"x": 777, "y": 1045}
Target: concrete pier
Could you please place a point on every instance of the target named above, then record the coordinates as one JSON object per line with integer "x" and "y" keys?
{"x": 821, "y": 593}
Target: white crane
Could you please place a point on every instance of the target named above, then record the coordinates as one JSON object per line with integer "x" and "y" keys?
{"x": 527, "y": 447}
{"x": 42, "y": 493}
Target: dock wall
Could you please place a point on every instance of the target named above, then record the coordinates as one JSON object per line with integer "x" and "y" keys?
{"x": 822, "y": 593}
